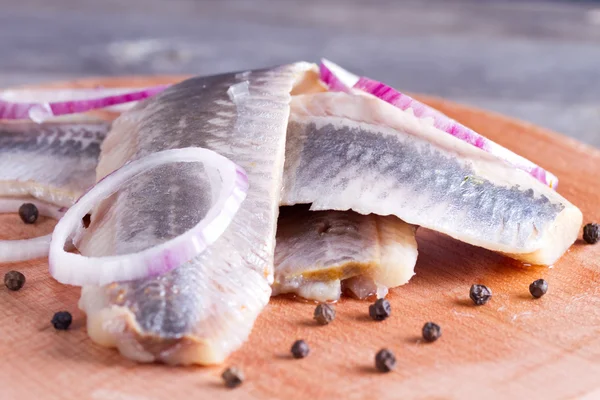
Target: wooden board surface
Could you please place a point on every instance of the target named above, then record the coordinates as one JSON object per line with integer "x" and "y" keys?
{"x": 513, "y": 347}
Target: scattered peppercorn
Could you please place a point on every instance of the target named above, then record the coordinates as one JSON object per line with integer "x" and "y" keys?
{"x": 86, "y": 220}
{"x": 385, "y": 361}
{"x": 324, "y": 314}
{"x": 62, "y": 320}
{"x": 14, "y": 280}
{"x": 538, "y": 288}
{"x": 28, "y": 213}
{"x": 480, "y": 294}
{"x": 233, "y": 377}
{"x": 431, "y": 332}
{"x": 380, "y": 310}
{"x": 591, "y": 233}
{"x": 300, "y": 349}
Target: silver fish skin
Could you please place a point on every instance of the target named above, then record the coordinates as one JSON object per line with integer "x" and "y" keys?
{"x": 205, "y": 309}
{"x": 53, "y": 162}
{"x": 320, "y": 252}
{"x": 351, "y": 152}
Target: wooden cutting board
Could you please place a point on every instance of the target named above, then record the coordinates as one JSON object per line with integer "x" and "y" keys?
{"x": 513, "y": 347}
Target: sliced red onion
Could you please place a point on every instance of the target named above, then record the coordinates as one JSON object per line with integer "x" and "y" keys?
{"x": 40, "y": 105}
{"x": 79, "y": 270}
{"x": 27, "y": 249}
{"x": 335, "y": 77}
{"x": 339, "y": 79}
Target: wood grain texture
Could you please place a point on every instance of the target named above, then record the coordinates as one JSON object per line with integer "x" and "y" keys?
{"x": 513, "y": 347}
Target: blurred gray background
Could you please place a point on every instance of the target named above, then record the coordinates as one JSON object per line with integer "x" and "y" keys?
{"x": 535, "y": 60}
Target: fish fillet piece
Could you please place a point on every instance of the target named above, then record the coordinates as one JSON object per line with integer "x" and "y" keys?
{"x": 53, "y": 162}
{"x": 205, "y": 309}
{"x": 318, "y": 251}
{"x": 349, "y": 152}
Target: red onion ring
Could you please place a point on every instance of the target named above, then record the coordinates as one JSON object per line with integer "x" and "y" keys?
{"x": 80, "y": 270}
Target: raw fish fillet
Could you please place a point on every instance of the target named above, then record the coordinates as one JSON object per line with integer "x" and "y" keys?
{"x": 53, "y": 162}
{"x": 203, "y": 310}
{"x": 350, "y": 152}
{"x": 318, "y": 252}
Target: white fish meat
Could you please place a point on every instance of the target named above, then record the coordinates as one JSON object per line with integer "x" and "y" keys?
{"x": 203, "y": 310}
{"x": 344, "y": 152}
{"x": 318, "y": 252}
{"x": 53, "y": 162}
{"x": 350, "y": 152}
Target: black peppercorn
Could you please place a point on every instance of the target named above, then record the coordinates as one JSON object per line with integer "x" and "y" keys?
{"x": 233, "y": 377}
{"x": 431, "y": 332}
{"x": 300, "y": 349}
{"x": 480, "y": 294}
{"x": 591, "y": 233}
{"x": 14, "y": 280}
{"x": 62, "y": 320}
{"x": 385, "y": 361}
{"x": 86, "y": 220}
{"x": 380, "y": 310}
{"x": 28, "y": 213}
{"x": 538, "y": 288}
{"x": 324, "y": 314}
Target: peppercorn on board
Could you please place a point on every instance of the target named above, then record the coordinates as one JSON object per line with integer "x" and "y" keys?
{"x": 512, "y": 347}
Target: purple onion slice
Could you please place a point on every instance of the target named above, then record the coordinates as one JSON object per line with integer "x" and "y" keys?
{"x": 338, "y": 79}
{"x": 228, "y": 185}
{"x": 40, "y": 105}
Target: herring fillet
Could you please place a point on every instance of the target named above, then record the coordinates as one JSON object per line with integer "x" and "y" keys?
{"x": 53, "y": 162}
{"x": 318, "y": 252}
{"x": 203, "y": 310}
{"x": 350, "y": 152}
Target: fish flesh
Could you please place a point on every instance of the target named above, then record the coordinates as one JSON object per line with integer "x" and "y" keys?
{"x": 356, "y": 152}
{"x": 202, "y": 310}
{"x": 343, "y": 152}
{"x": 61, "y": 163}
{"x": 48, "y": 164}
{"x": 77, "y": 158}
{"x": 319, "y": 252}
{"x": 53, "y": 162}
